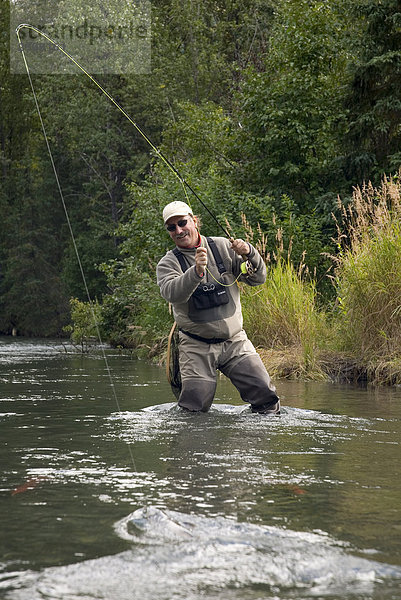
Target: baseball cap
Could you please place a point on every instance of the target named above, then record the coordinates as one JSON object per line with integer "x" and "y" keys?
{"x": 176, "y": 209}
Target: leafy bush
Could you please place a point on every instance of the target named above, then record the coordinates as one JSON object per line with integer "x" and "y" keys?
{"x": 134, "y": 315}
{"x": 85, "y": 327}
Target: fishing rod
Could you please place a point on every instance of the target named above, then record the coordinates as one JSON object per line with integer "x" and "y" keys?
{"x": 166, "y": 161}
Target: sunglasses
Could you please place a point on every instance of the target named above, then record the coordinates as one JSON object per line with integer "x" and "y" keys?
{"x": 181, "y": 223}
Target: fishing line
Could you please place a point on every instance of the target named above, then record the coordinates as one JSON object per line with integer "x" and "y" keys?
{"x": 106, "y": 362}
{"x": 220, "y": 282}
{"x": 166, "y": 161}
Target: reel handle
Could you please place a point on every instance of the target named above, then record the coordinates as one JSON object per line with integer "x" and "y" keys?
{"x": 246, "y": 267}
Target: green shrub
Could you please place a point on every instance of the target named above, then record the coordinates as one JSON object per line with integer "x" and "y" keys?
{"x": 134, "y": 315}
{"x": 86, "y": 318}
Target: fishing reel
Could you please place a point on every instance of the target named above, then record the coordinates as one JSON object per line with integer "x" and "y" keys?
{"x": 247, "y": 268}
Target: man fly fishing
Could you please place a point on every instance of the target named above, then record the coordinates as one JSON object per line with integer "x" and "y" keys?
{"x": 198, "y": 278}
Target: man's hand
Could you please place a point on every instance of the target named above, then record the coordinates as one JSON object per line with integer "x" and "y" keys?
{"x": 200, "y": 260}
{"x": 240, "y": 247}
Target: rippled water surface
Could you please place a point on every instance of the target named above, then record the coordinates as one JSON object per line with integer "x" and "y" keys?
{"x": 108, "y": 491}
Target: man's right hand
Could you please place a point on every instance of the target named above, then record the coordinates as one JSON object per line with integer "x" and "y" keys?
{"x": 200, "y": 260}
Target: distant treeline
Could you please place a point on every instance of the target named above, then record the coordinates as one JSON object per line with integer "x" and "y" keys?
{"x": 271, "y": 109}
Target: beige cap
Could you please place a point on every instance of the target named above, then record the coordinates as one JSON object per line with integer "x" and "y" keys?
{"x": 176, "y": 209}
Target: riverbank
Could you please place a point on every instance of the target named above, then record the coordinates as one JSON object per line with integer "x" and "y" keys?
{"x": 330, "y": 366}
{"x": 325, "y": 365}
{"x": 286, "y": 363}
{"x": 356, "y": 337}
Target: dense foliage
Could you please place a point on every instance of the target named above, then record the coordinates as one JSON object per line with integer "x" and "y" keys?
{"x": 270, "y": 109}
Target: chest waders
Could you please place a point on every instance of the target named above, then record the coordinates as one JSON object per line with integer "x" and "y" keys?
{"x": 239, "y": 360}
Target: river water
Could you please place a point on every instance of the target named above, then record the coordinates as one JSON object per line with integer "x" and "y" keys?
{"x": 108, "y": 491}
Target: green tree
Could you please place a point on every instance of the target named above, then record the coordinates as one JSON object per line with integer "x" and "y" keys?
{"x": 292, "y": 113}
{"x": 201, "y": 47}
{"x": 373, "y": 99}
{"x": 32, "y": 298}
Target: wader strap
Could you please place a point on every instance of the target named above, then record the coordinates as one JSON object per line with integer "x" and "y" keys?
{"x": 204, "y": 340}
{"x": 183, "y": 264}
{"x": 216, "y": 255}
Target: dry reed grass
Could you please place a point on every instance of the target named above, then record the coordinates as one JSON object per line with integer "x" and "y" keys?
{"x": 282, "y": 314}
{"x": 368, "y": 273}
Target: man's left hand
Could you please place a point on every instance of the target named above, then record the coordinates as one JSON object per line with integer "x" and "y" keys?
{"x": 240, "y": 247}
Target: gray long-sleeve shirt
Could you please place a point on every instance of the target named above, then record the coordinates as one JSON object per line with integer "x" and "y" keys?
{"x": 177, "y": 288}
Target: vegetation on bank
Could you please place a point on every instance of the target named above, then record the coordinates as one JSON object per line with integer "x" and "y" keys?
{"x": 368, "y": 280}
{"x": 271, "y": 109}
{"x": 357, "y": 337}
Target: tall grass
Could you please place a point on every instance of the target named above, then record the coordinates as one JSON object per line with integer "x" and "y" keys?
{"x": 282, "y": 314}
{"x": 368, "y": 273}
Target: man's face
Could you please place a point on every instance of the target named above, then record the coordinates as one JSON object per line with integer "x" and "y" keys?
{"x": 184, "y": 234}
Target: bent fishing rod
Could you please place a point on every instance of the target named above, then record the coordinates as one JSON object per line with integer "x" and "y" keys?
{"x": 159, "y": 153}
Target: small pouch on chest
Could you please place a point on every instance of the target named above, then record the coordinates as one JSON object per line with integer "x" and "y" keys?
{"x": 208, "y": 295}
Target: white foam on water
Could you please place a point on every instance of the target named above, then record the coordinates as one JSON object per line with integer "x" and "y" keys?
{"x": 215, "y": 408}
{"x": 181, "y": 556}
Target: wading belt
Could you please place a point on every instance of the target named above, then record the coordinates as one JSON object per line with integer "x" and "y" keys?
{"x": 204, "y": 340}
